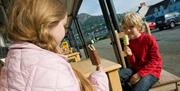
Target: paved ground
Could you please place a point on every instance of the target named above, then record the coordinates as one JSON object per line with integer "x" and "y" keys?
{"x": 169, "y": 44}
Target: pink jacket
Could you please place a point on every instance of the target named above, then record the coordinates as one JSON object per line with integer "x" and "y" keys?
{"x": 31, "y": 68}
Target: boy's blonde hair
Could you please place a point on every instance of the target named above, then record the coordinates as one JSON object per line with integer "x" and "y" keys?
{"x": 132, "y": 19}
{"x": 30, "y": 20}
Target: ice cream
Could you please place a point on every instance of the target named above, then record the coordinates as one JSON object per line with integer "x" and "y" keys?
{"x": 126, "y": 40}
{"x": 93, "y": 55}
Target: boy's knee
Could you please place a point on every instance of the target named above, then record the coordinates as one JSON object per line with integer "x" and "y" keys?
{"x": 145, "y": 83}
{"x": 125, "y": 74}
{"x": 150, "y": 79}
{"x": 125, "y": 71}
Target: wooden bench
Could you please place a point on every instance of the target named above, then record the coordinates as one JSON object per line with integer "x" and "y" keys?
{"x": 73, "y": 57}
{"x": 67, "y": 51}
{"x": 167, "y": 81}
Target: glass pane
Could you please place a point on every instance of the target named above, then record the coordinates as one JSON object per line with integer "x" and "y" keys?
{"x": 94, "y": 29}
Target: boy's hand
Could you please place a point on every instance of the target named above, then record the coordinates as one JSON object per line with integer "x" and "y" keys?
{"x": 134, "y": 79}
{"x": 128, "y": 51}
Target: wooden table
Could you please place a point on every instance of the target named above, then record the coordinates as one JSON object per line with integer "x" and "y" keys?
{"x": 109, "y": 67}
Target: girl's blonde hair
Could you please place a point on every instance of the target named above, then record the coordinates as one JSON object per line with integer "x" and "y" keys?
{"x": 30, "y": 20}
{"x": 132, "y": 19}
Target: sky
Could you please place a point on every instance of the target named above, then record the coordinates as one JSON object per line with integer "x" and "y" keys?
{"x": 92, "y": 7}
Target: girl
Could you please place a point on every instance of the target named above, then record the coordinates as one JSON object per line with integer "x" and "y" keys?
{"x": 33, "y": 63}
{"x": 143, "y": 56}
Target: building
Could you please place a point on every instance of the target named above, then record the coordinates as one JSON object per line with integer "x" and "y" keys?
{"x": 142, "y": 9}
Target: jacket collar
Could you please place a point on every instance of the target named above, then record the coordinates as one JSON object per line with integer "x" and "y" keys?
{"x": 27, "y": 45}
{"x": 24, "y": 45}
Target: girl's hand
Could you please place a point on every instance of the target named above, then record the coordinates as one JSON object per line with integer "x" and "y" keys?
{"x": 128, "y": 51}
{"x": 99, "y": 68}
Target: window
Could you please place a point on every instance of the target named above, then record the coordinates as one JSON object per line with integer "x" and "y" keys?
{"x": 93, "y": 27}
{"x": 155, "y": 10}
{"x": 161, "y": 7}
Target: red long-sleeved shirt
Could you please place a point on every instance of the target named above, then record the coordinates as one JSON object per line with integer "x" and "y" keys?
{"x": 146, "y": 58}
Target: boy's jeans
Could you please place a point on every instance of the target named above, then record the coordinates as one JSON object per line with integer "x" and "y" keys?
{"x": 143, "y": 85}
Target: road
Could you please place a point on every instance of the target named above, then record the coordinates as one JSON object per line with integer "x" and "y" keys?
{"x": 169, "y": 45}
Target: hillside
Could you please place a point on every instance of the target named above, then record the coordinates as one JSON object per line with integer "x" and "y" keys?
{"x": 90, "y": 23}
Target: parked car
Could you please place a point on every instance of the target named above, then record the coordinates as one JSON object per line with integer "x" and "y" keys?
{"x": 168, "y": 20}
{"x": 152, "y": 25}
